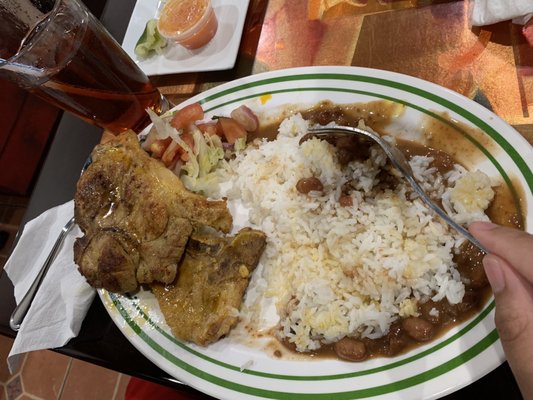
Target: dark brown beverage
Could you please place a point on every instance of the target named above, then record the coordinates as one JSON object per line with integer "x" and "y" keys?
{"x": 73, "y": 62}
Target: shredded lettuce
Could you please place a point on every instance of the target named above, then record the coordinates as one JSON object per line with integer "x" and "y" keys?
{"x": 200, "y": 175}
{"x": 150, "y": 41}
{"x": 240, "y": 145}
{"x": 191, "y": 167}
{"x": 161, "y": 129}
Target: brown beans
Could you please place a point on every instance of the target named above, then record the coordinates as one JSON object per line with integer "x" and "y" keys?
{"x": 396, "y": 345}
{"x": 306, "y": 185}
{"x": 470, "y": 265}
{"x": 345, "y": 200}
{"x": 351, "y": 148}
{"x": 470, "y": 299}
{"x": 418, "y": 328}
{"x": 434, "y": 318}
{"x": 324, "y": 117}
{"x": 350, "y": 349}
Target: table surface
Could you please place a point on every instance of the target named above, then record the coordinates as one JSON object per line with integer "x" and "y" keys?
{"x": 428, "y": 39}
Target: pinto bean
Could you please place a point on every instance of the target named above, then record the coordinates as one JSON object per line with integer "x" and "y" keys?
{"x": 306, "y": 185}
{"x": 425, "y": 310}
{"x": 396, "y": 345}
{"x": 345, "y": 200}
{"x": 351, "y": 148}
{"x": 470, "y": 299}
{"x": 470, "y": 265}
{"x": 324, "y": 117}
{"x": 350, "y": 349}
{"x": 418, "y": 328}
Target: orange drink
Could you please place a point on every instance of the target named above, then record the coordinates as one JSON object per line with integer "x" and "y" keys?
{"x": 190, "y": 23}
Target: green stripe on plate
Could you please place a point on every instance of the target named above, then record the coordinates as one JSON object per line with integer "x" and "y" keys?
{"x": 504, "y": 144}
{"x": 378, "y": 390}
{"x": 520, "y": 163}
{"x": 271, "y": 394}
{"x": 386, "y": 367}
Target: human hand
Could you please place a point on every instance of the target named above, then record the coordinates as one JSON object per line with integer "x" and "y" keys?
{"x": 509, "y": 269}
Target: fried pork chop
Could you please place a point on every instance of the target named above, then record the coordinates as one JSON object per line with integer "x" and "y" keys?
{"x": 202, "y": 304}
{"x": 136, "y": 217}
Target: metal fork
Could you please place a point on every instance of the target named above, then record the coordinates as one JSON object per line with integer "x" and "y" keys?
{"x": 22, "y": 308}
{"x": 400, "y": 162}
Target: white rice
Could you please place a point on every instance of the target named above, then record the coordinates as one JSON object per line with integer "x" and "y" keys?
{"x": 335, "y": 271}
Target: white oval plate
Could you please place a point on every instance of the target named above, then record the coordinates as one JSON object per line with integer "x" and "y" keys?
{"x": 230, "y": 370}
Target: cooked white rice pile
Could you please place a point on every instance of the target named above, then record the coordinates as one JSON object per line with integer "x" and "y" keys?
{"x": 338, "y": 271}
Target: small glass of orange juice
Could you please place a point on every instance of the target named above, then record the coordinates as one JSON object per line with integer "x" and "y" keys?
{"x": 190, "y": 23}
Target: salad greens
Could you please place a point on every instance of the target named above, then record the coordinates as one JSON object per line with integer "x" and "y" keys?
{"x": 198, "y": 174}
{"x": 203, "y": 161}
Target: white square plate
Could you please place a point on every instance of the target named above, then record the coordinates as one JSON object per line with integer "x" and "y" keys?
{"x": 219, "y": 54}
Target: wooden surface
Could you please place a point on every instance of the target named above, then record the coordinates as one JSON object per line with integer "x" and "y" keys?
{"x": 429, "y": 39}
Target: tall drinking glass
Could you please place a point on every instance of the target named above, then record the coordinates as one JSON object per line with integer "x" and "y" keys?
{"x": 58, "y": 50}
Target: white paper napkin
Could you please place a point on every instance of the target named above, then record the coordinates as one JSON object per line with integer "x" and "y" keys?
{"x": 64, "y": 297}
{"x": 487, "y": 12}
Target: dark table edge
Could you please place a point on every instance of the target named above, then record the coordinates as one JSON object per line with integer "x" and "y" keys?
{"x": 71, "y": 144}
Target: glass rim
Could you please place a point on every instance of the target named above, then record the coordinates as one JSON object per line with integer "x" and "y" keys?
{"x": 46, "y": 19}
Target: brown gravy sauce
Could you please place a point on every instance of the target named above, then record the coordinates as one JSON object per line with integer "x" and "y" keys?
{"x": 447, "y": 145}
{"x": 448, "y": 135}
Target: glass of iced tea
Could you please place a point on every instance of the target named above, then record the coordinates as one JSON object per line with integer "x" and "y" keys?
{"x": 58, "y": 50}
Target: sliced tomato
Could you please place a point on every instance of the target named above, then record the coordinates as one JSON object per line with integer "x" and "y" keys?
{"x": 187, "y": 138}
{"x": 158, "y": 147}
{"x": 170, "y": 154}
{"x": 187, "y": 115}
{"x": 232, "y": 129}
{"x": 210, "y": 128}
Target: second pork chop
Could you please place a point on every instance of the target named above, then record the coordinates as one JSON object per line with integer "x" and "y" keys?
{"x": 202, "y": 305}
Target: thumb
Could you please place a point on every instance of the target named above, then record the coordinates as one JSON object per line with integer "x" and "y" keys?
{"x": 514, "y": 318}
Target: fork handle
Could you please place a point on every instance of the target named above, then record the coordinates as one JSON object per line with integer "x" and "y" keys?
{"x": 22, "y": 308}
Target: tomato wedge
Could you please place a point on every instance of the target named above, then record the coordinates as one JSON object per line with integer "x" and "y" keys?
{"x": 187, "y": 115}
{"x": 210, "y": 128}
{"x": 187, "y": 138}
{"x": 170, "y": 154}
{"x": 231, "y": 129}
{"x": 158, "y": 147}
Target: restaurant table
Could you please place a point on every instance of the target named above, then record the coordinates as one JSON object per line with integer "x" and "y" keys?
{"x": 431, "y": 40}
